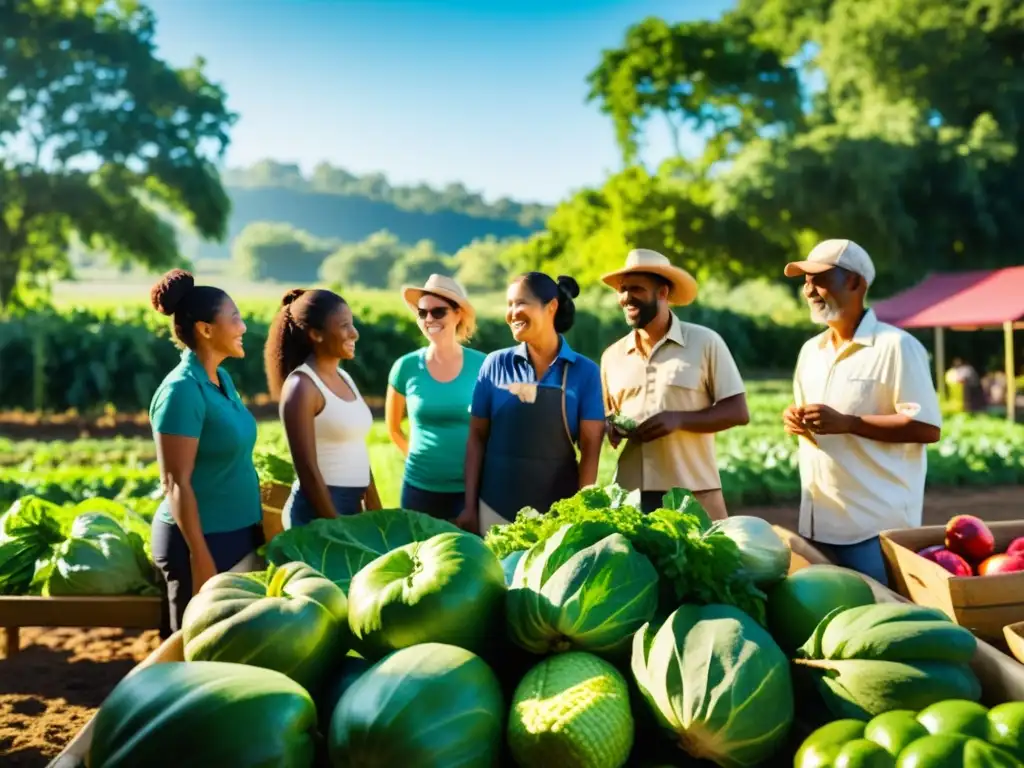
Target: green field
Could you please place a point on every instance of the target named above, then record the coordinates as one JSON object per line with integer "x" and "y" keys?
{"x": 757, "y": 462}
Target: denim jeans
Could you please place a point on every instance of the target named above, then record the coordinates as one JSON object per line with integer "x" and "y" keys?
{"x": 173, "y": 559}
{"x": 299, "y": 511}
{"x": 446, "y": 506}
{"x": 864, "y": 557}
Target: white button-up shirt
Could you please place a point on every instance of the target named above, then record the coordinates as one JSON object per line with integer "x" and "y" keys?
{"x": 853, "y": 487}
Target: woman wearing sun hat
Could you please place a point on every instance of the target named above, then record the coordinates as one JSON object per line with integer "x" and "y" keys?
{"x": 434, "y": 385}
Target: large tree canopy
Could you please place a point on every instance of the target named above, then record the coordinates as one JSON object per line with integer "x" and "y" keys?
{"x": 896, "y": 123}
{"x": 101, "y": 139}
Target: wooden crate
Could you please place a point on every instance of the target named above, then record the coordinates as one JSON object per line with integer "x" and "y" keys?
{"x": 127, "y": 612}
{"x": 982, "y": 604}
{"x": 1014, "y": 635}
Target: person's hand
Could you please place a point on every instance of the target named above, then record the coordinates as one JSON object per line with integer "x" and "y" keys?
{"x": 792, "y": 420}
{"x": 658, "y": 426}
{"x": 203, "y": 569}
{"x": 469, "y": 519}
{"x": 824, "y": 420}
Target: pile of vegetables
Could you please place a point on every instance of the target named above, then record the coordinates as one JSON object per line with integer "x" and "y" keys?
{"x": 94, "y": 548}
{"x": 592, "y": 636}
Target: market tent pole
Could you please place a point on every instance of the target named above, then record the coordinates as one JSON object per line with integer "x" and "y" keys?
{"x": 940, "y": 361}
{"x": 1011, "y": 371}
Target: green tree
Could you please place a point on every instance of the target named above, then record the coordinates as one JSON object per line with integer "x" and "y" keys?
{"x": 417, "y": 264}
{"x": 96, "y": 134}
{"x": 278, "y": 251}
{"x": 483, "y": 265}
{"x": 366, "y": 264}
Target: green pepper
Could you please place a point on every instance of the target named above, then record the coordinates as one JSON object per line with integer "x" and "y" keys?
{"x": 948, "y": 733}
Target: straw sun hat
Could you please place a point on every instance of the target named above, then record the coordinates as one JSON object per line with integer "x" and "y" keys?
{"x": 446, "y": 288}
{"x": 642, "y": 260}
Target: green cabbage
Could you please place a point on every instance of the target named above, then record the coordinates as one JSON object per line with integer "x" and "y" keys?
{"x": 338, "y": 548}
{"x": 584, "y": 588}
{"x": 98, "y": 558}
{"x": 763, "y": 553}
{"x": 28, "y": 533}
{"x": 717, "y": 681}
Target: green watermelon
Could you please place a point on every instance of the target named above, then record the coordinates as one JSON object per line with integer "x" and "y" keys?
{"x": 427, "y": 706}
{"x": 288, "y": 618}
{"x": 204, "y": 714}
{"x": 798, "y": 603}
{"x": 447, "y": 589}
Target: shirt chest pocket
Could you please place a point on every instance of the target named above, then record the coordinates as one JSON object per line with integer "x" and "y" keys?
{"x": 679, "y": 385}
{"x": 861, "y": 396}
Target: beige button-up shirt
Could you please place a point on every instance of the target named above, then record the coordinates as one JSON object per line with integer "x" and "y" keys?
{"x": 690, "y": 369}
{"x": 853, "y": 487}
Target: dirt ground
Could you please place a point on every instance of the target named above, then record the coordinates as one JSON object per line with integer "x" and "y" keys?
{"x": 55, "y": 684}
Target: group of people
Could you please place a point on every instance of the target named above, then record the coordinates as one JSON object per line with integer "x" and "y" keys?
{"x": 488, "y": 435}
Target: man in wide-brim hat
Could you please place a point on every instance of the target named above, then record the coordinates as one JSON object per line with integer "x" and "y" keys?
{"x": 677, "y": 381}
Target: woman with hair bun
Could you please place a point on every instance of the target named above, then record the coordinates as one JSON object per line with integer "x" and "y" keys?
{"x": 325, "y": 418}
{"x": 533, "y": 404}
{"x": 210, "y": 518}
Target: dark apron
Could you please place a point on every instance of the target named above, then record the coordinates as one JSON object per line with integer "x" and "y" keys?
{"x": 536, "y": 464}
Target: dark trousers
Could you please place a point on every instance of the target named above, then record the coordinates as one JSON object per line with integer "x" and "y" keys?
{"x": 446, "y": 506}
{"x": 298, "y": 510}
{"x": 172, "y": 558}
{"x": 650, "y": 501}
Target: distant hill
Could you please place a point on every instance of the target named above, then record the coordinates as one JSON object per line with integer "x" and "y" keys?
{"x": 335, "y": 204}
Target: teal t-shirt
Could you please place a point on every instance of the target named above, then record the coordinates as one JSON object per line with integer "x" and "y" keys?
{"x": 224, "y": 478}
{"x": 438, "y": 420}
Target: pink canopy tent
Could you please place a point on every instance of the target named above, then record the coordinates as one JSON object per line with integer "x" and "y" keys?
{"x": 981, "y": 299}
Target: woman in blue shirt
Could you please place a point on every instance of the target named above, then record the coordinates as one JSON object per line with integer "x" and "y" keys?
{"x": 435, "y": 385}
{"x": 533, "y": 404}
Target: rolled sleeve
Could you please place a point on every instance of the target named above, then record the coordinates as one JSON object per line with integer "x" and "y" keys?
{"x": 914, "y": 392}
{"x": 179, "y": 410}
{"x": 724, "y": 374}
{"x": 591, "y": 395}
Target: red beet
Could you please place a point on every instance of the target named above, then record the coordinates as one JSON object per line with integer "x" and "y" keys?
{"x": 953, "y": 563}
{"x": 928, "y": 553}
{"x": 969, "y": 537}
{"x": 1016, "y": 546}
{"x": 1001, "y": 564}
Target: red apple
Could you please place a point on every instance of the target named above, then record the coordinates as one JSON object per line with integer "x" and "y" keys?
{"x": 1004, "y": 563}
{"x": 969, "y": 537}
{"x": 928, "y": 553}
{"x": 953, "y": 563}
{"x": 1016, "y": 546}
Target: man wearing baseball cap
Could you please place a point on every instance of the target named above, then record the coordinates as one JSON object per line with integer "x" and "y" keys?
{"x": 865, "y": 406}
{"x": 677, "y": 381}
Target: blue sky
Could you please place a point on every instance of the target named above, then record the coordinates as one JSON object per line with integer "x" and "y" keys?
{"x": 490, "y": 93}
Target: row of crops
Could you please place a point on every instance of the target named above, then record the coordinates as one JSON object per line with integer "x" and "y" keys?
{"x": 758, "y": 462}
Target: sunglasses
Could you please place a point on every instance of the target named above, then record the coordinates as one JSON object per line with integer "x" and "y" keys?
{"x": 435, "y": 312}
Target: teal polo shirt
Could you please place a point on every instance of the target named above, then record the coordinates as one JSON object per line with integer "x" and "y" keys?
{"x": 224, "y": 479}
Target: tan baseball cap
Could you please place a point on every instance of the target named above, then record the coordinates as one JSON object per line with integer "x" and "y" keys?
{"x": 834, "y": 253}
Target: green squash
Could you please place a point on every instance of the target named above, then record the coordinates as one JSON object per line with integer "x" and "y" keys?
{"x": 287, "y": 618}
{"x": 428, "y": 706}
{"x": 798, "y": 603}
{"x": 205, "y": 714}
{"x": 448, "y": 589}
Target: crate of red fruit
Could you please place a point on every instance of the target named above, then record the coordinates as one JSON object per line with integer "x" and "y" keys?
{"x": 970, "y": 570}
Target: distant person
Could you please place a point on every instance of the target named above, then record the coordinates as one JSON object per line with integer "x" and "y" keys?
{"x": 865, "y": 406}
{"x": 533, "y": 404}
{"x": 326, "y": 420}
{"x": 210, "y": 518}
{"x": 434, "y": 385}
{"x": 676, "y": 380}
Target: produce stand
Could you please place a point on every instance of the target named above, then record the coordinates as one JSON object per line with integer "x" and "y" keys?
{"x": 273, "y": 497}
{"x": 126, "y": 612}
{"x": 982, "y": 604}
{"x": 1002, "y": 678}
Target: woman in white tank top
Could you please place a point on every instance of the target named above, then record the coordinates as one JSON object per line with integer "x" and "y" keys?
{"x": 325, "y": 418}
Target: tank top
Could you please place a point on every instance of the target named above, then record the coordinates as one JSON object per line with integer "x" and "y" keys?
{"x": 340, "y": 430}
